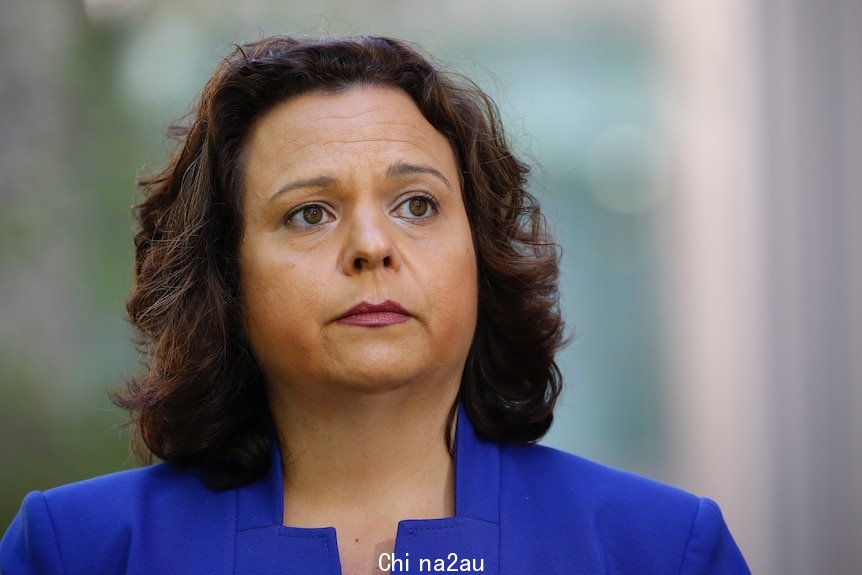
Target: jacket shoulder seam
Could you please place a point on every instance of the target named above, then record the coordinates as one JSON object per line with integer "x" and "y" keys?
{"x": 44, "y": 501}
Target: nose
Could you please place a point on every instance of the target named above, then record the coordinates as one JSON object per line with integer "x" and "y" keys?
{"x": 369, "y": 243}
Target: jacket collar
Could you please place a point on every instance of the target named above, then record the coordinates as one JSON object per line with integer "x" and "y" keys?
{"x": 265, "y": 546}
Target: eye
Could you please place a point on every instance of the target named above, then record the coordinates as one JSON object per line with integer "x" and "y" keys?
{"x": 416, "y": 207}
{"x": 309, "y": 215}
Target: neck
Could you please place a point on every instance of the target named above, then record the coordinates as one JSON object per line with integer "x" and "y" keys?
{"x": 365, "y": 451}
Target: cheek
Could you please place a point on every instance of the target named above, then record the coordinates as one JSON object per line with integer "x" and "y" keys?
{"x": 457, "y": 292}
{"x": 255, "y": 296}
{"x": 284, "y": 290}
{"x": 268, "y": 292}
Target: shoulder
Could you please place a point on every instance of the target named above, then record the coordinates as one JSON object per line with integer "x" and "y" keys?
{"x": 613, "y": 520}
{"x": 112, "y": 520}
{"x": 544, "y": 474}
{"x": 132, "y": 495}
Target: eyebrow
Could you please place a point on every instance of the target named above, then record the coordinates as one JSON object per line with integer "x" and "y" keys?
{"x": 397, "y": 170}
{"x": 403, "y": 169}
{"x": 316, "y": 182}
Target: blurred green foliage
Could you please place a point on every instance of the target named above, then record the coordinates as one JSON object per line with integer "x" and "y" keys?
{"x": 66, "y": 257}
{"x": 44, "y": 447}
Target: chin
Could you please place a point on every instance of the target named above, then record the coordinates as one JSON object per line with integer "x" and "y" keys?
{"x": 382, "y": 377}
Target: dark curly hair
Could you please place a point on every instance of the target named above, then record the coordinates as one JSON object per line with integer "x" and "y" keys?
{"x": 201, "y": 398}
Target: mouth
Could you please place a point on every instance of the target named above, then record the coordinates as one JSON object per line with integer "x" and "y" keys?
{"x": 367, "y": 314}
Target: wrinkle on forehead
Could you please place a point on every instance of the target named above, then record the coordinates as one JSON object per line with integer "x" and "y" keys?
{"x": 317, "y": 127}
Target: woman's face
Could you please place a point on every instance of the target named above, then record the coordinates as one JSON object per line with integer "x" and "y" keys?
{"x": 357, "y": 265}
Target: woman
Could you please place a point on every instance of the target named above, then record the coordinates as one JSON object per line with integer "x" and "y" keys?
{"x": 349, "y": 306}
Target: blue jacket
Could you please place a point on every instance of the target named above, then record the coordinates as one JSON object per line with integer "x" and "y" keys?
{"x": 519, "y": 510}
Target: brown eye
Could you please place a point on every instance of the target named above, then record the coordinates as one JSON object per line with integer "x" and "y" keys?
{"x": 309, "y": 216}
{"x": 418, "y": 206}
{"x": 312, "y": 214}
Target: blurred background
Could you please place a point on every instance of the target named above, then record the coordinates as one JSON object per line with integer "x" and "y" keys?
{"x": 698, "y": 161}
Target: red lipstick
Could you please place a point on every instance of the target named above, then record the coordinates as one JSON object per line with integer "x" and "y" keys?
{"x": 375, "y": 315}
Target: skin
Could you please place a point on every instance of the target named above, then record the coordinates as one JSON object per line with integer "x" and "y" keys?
{"x": 350, "y": 198}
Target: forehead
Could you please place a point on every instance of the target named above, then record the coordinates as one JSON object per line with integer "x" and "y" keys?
{"x": 361, "y": 123}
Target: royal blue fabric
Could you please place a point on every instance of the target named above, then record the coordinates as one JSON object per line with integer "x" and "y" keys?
{"x": 518, "y": 510}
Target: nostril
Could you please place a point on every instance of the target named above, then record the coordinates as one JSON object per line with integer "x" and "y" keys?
{"x": 364, "y": 264}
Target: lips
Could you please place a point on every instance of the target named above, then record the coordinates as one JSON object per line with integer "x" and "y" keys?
{"x": 368, "y": 314}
